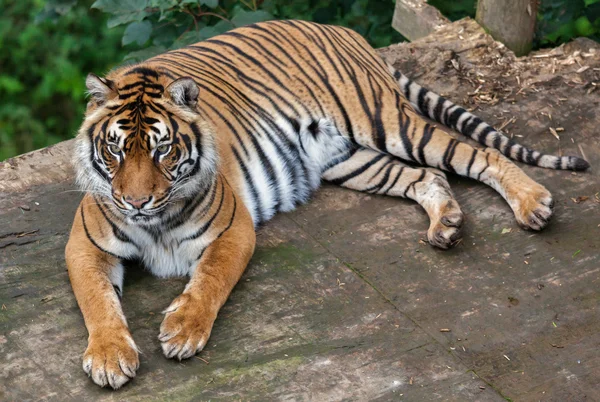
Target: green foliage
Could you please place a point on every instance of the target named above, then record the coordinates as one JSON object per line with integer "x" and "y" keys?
{"x": 47, "y": 50}
{"x": 562, "y": 20}
{"x": 155, "y": 26}
{"x": 558, "y": 21}
{"x": 455, "y": 10}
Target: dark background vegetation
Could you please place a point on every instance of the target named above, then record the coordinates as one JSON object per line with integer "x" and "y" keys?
{"x": 48, "y": 47}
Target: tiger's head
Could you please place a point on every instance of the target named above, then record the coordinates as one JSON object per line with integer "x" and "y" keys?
{"x": 143, "y": 143}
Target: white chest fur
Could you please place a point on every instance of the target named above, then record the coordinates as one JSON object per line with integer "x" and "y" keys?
{"x": 166, "y": 254}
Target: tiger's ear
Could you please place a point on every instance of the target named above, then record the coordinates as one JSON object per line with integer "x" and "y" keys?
{"x": 100, "y": 89}
{"x": 184, "y": 92}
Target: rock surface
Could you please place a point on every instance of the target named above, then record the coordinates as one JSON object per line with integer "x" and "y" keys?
{"x": 342, "y": 299}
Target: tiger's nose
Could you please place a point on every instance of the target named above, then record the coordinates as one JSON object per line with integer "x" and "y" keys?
{"x": 137, "y": 203}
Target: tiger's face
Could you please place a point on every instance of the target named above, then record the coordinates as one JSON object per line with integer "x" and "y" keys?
{"x": 143, "y": 143}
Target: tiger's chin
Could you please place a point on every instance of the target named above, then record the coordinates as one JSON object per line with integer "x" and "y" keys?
{"x": 143, "y": 217}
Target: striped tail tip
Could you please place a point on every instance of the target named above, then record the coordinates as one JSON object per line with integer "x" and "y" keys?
{"x": 578, "y": 164}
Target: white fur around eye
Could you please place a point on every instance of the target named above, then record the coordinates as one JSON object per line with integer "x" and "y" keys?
{"x": 160, "y": 136}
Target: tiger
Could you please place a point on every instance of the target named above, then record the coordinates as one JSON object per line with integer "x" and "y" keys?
{"x": 182, "y": 157}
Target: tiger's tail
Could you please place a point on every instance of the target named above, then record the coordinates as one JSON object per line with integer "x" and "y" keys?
{"x": 455, "y": 117}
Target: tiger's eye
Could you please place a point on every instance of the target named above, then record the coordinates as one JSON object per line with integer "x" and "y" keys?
{"x": 114, "y": 149}
{"x": 163, "y": 149}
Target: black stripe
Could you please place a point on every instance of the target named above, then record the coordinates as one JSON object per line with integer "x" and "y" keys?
{"x": 558, "y": 163}
{"x": 87, "y": 233}
{"x": 487, "y": 165}
{"x": 118, "y": 291}
{"x": 190, "y": 206}
{"x": 412, "y": 184}
{"x": 426, "y": 137}
{"x": 508, "y": 148}
{"x": 473, "y": 155}
{"x": 269, "y": 170}
{"x": 529, "y": 158}
{"x": 395, "y": 180}
{"x": 383, "y": 166}
{"x": 383, "y": 180}
{"x": 341, "y": 180}
{"x": 449, "y": 154}
{"x": 470, "y": 125}
{"x": 520, "y": 153}
{"x": 497, "y": 141}
{"x": 483, "y": 135}
{"x": 423, "y": 102}
{"x": 258, "y": 209}
{"x": 437, "y": 111}
{"x": 403, "y": 125}
{"x": 455, "y": 117}
{"x": 378, "y": 127}
{"x": 208, "y": 223}
{"x": 143, "y": 71}
{"x": 340, "y": 159}
{"x": 119, "y": 234}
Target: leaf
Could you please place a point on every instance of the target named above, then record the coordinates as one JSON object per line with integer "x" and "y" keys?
{"x": 120, "y": 6}
{"x": 593, "y": 12}
{"x": 223, "y": 26}
{"x": 123, "y": 11}
{"x": 10, "y": 85}
{"x": 138, "y": 32}
{"x": 242, "y": 18}
{"x": 164, "y": 4}
{"x": 187, "y": 38}
{"x": 164, "y": 35}
{"x": 61, "y": 7}
{"x": 54, "y": 9}
{"x": 144, "y": 54}
{"x": 209, "y": 32}
{"x": 210, "y": 3}
{"x": 506, "y": 230}
{"x": 207, "y": 3}
{"x": 125, "y": 18}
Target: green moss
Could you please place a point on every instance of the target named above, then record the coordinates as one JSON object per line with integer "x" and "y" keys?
{"x": 284, "y": 257}
{"x": 264, "y": 373}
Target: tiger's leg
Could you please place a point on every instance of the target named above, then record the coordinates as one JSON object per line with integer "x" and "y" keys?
{"x": 416, "y": 140}
{"x": 373, "y": 172}
{"x": 111, "y": 357}
{"x": 189, "y": 319}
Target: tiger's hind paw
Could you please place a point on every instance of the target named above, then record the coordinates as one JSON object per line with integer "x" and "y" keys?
{"x": 445, "y": 231}
{"x": 534, "y": 208}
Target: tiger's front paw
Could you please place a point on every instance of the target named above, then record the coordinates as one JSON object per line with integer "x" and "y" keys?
{"x": 185, "y": 328}
{"x": 111, "y": 358}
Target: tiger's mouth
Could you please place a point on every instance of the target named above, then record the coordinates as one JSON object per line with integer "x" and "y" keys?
{"x": 141, "y": 215}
